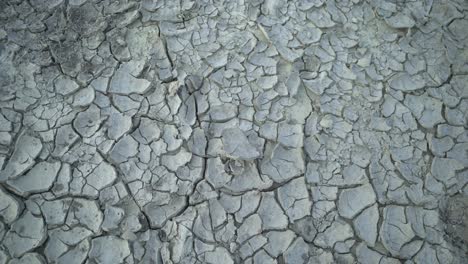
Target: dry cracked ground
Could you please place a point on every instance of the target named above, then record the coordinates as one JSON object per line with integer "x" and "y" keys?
{"x": 211, "y": 131}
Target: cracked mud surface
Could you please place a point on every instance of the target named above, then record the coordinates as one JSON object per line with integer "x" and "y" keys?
{"x": 261, "y": 131}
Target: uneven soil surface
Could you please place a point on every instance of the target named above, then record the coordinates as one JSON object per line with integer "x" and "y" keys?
{"x": 233, "y": 131}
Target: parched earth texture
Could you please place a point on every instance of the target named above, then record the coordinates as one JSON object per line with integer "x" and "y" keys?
{"x": 233, "y": 131}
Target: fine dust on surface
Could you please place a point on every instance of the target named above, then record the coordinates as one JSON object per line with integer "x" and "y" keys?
{"x": 216, "y": 131}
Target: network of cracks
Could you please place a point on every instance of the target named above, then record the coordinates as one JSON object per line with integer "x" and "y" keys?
{"x": 233, "y": 131}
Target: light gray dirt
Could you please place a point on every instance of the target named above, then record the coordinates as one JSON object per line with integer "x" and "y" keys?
{"x": 216, "y": 131}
